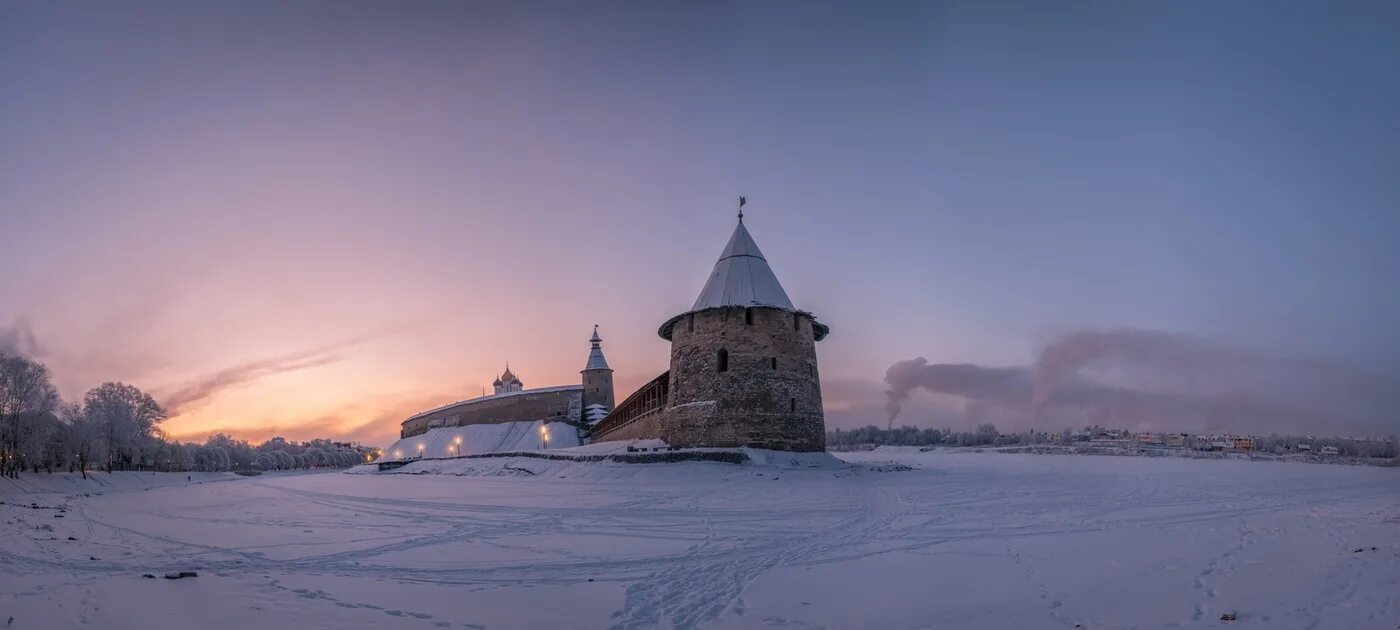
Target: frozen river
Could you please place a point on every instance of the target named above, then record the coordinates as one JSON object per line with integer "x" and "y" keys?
{"x": 961, "y": 540}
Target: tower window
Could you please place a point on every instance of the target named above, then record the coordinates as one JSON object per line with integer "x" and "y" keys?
{"x": 796, "y": 321}
{"x": 775, "y": 363}
{"x": 690, "y": 323}
{"x": 723, "y": 360}
{"x": 748, "y": 316}
{"x": 792, "y": 404}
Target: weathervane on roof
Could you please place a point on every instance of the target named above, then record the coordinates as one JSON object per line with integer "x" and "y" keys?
{"x": 742, "y": 201}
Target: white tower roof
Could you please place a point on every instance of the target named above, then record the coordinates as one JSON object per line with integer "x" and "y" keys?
{"x": 742, "y": 277}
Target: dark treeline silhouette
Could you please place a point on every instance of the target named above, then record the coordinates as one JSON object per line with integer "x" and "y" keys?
{"x": 116, "y": 427}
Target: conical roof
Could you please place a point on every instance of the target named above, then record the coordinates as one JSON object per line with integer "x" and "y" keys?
{"x": 595, "y": 355}
{"x": 742, "y": 277}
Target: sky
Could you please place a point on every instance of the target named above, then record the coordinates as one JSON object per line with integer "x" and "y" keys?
{"x": 317, "y": 218}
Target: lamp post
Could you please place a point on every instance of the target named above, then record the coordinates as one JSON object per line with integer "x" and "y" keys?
{"x": 420, "y": 450}
{"x": 457, "y": 445}
{"x": 544, "y": 436}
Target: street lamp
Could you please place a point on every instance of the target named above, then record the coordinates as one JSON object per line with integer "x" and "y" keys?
{"x": 420, "y": 450}
{"x": 457, "y": 444}
{"x": 544, "y": 437}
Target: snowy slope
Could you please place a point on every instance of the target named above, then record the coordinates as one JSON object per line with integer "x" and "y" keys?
{"x": 897, "y": 540}
{"x": 483, "y": 438}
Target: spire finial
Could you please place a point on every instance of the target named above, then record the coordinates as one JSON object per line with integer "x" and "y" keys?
{"x": 742, "y": 201}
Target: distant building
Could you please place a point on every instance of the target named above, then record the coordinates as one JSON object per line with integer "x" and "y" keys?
{"x": 1243, "y": 443}
{"x": 1329, "y": 450}
{"x": 1176, "y": 439}
{"x": 1147, "y": 438}
{"x": 1305, "y": 448}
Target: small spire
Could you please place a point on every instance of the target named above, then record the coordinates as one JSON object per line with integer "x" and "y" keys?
{"x": 595, "y": 355}
{"x": 742, "y": 201}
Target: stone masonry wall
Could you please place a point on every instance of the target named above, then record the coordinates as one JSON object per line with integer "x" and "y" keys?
{"x": 598, "y": 388}
{"x": 527, "y": 405}
{"x": 768, "y": 396}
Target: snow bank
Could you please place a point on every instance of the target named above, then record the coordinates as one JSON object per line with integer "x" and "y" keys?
{"x": 592, "y": 462}
{"x": 482, "y": 438}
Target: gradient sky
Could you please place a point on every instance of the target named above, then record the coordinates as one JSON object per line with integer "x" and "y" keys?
{"x": 316, "y": 218}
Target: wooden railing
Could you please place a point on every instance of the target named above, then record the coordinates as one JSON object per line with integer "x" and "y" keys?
{"x": 648, "y": 399}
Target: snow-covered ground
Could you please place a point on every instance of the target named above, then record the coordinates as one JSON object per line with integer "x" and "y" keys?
{"x": 898, "y": 539}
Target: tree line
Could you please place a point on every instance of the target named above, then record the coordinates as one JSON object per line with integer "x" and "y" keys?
{"x": 116, "y": 427}
{"x": 983, "y": 435}
{"x": 988, "y": 435}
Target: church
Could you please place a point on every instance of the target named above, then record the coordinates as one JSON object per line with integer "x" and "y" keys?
{"x": 743, "y": 372}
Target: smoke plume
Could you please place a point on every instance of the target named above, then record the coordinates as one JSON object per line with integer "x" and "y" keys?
{"x": 18, "y": 339}
{"x": 1153, "y": 380}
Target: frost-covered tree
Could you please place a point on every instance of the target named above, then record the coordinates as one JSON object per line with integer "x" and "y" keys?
{"x": 26, "y": 397}
{"x": 129, "y": 417}
{"x": 87, "y": 438}
{"x": 212, "y": 459}
{"x": 240, "y": 453}
{"x": 36, "y": 431}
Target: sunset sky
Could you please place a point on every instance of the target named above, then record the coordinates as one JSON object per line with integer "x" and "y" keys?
{"x": 316, "y": 218}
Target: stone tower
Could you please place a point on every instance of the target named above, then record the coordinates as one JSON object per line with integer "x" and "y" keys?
{"x": 597, "y": 381}
{"x": 744, "y": 361}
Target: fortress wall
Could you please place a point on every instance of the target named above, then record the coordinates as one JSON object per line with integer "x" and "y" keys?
{"x": 644, "y": 428}
{"x": 557, "y": 405}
